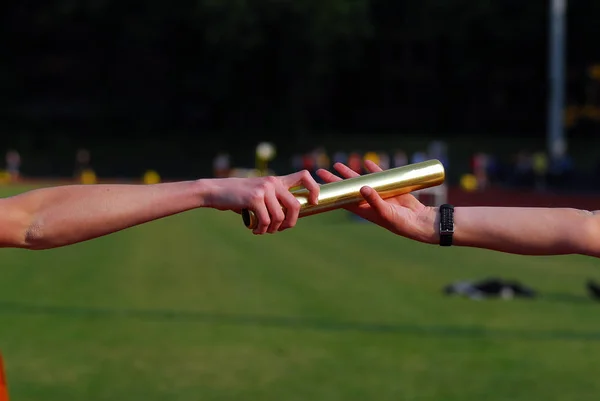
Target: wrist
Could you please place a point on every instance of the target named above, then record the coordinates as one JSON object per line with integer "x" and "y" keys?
{"x": 429, "y": 225}
{"x": 204, "y": 192}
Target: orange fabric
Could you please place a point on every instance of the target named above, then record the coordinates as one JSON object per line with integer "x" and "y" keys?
{"x": 3, "y": 385}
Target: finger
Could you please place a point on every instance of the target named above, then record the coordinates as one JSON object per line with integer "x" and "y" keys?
{"x": 275, "y": 210}
{"x": 307, "y": 181}
{"x": 372, "y": 166}
{"x": 262, "y": 214}
{"x": 313, "y": 187}
{"x": 345, "y": 171}
{"x": 374, "y": 200}
{"x": 291, "y": 205}
{"x": 327, "y": 176}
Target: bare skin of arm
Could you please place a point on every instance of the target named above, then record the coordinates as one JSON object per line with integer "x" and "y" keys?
{"x": 54, "y": 217}
{"x": 516, "y": 230}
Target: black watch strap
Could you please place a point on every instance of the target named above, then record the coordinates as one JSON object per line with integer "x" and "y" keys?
{"x": 446, "y": 224}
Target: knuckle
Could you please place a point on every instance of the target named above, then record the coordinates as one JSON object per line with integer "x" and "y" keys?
{"x": 279, "y": 217}
{"x": 294, "y": 206}
{"x": 265, "y": 188}
{"x": 258, "y": 195}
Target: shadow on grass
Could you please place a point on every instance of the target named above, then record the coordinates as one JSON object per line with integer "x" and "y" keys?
{"x": 298, "y": 323}
{"x": 566, "y": 298}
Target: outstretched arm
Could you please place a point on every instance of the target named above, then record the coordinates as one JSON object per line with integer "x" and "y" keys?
{"x": 517, "y": 230}
{"x": 53, "y": 217}
{"x": 529, "y": 231}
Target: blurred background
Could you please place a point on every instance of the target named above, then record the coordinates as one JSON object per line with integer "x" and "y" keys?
{"x": 505, "y": 93}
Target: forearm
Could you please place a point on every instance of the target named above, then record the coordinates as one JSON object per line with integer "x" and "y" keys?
{"x": 53, "y": 217}
{"x": 528, "y": 231}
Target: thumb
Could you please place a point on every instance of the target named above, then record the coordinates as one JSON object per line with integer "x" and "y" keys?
{"x": 375, "y": 201}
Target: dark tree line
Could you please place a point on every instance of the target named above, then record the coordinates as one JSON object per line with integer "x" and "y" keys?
{"x": 107, "y": 67}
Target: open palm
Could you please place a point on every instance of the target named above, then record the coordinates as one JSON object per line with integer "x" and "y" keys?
{"x": 402, "y": 215}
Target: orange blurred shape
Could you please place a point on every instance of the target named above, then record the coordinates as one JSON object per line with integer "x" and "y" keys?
{"x": 3, "y": 385}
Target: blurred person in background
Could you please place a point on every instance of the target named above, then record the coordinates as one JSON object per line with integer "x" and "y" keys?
{"x": 297, "y": 161}
{"x": 495, "y": 170}
{"x": 515, "y": 230}
{"x": 57, "y": 216}
{"x": 561, "y": 169}
{"x": 524, "y": 169}
{"x": 322, "y": 159}
{"x": 82, "y": 162}
{"x": 480, "y": 167}
{"x": 540, "y": 170}
{"x": 221, "y": 165}
{"x": 341, "y": 157}
{"x": 13, "y": 165}
{"x": 372, "y": 156}
{"x": 84, "y": 173}
{"x": 418, "y": 157}
{"x": 309, "y": 162}
{"x": 355, "y": 162}
{"x": 384, "y": 160}
{"x": 400, "y": 158}
{"x": 437, "y": 150}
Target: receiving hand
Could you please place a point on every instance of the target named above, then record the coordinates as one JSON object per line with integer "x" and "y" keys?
{"x": 404, "y": 215}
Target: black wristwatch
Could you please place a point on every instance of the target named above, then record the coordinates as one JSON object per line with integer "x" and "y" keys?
{"x": 446, "y": 224}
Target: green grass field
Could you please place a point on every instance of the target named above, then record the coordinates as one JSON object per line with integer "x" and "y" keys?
{"x": 194, "y": 307}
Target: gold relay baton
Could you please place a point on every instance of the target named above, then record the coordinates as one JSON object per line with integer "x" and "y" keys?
{"x": 387, "y": 183}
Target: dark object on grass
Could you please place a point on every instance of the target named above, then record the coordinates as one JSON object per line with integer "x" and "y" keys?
{"x": 593, "y": 289}
{"x": 490, "y": 288}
